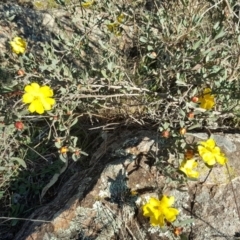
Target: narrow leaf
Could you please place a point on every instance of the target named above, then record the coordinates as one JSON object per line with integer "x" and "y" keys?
{"x": 20, "y": 161}
{"x": 54, "y": 179}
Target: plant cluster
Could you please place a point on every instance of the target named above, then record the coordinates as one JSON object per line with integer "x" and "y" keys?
{"x": 171, "y": 63}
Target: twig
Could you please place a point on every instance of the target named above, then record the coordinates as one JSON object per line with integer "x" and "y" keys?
{"x": 234, "y": 195}
{"x": 105, "y": 96}
{"x": 130, "y": 232}
{"x": 231, "y": 77}
{"x": 117, "y": 87}
{"x": 35, "y": 152}
{"x": 24, "y": 219}
{"x": 210, "y": 8}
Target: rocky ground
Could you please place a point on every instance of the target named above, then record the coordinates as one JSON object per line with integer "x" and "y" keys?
{"x": 98, "y": 203}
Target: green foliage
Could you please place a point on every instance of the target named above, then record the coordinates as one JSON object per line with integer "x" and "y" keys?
{"x": 145, "y": 68}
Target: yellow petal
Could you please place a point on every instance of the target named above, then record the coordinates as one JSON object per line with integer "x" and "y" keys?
{"x": 159, "y": 210}
{"x": 221, "y": 159}
{"x": 193, "y": 174}
{"x": 146, "y": 210}
{"x": 211, "y": 143}
{"x": 202, "y": 144}
{"x": 167, "y": 201}
{"x": 191, "y": 163}
{"x": 18, "y": 45}
{"x": 207, "y": 91}
{"x": 201, "y": 149}
{"x": 161, "y": 221}
{"x": 50, "y": 101}
{"x": 206, "y": 104}
{"x": 32, "y": 108}
{"x": 207, "y": 100}
{"x": 209, "y": 159}
{"x": 154, "y": 202}
{"x": 37, "y": 106}
{"x": 216, "y": 151}
{"x": 47, "y": 103}
{"x": 170, "y": 214}
{"x": 121, "y": 18}
{"x": 46, "y": 91}
{"x": 33, "y": 88}
{"x": 112, "y": 26}
{"x": 87, "y": 4}
{"x": 157, "y": 222}
{"x": 152, "y": 208}
{"x": 27, "y": 98}
{"x": 187, "y": 167}
{"x": 46, "y": 106}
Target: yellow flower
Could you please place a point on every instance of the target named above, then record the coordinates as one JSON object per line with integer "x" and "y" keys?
{"x": 114, "y": 28}
{"x": 210, "y": 153}
{"x": 18, "y": 45}
{"x": 87, "y": 4}
{"x": 39, "y": 98}
{"x": 187, "y": 166}
{"x": 63, "y": 150}
{"x": 134, "y": 193}
{"x": 159, "y": 211}
{"x": 207, "y": 100}
{"x": 121, "y": 18}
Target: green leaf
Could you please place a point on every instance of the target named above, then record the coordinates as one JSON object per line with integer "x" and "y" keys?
{"x": 216, "y": 25}
{"x": 110, "y": 66}
{"x": 220, "y": 34}
{"x": 103, "y": 45}
{"x": 84, "y": 153}
{"x": 185, "y": 222}
{"x": 149, "y": 48}
{"x": 183, "y": 236}
{"x": 74, "y": 140}
{"x": 180, "y": 83}
{"x": 19, "y": 160}
{"x": 197, "y": 44}
{"x": 63, "y": 158}
{"x": 74, "y": 122}
{"x": 54, "y": 179}
{"x": 75, "y": 157}
{"x": 198, "y": 125}
{"x": 57, "y": 144}
{"x": 143, "y": 39}
{"x": 104, "y": 73}
{"x": 1, "y": 194}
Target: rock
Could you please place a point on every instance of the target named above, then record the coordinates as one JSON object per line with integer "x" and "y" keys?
{"x": 104, "y": 202}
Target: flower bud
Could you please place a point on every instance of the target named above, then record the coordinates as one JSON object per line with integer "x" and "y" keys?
{"x": 190, "y": 115}
{"x": 189, "y": 154}
{"x": 20, "y": 72}
{"x": 177, "y": 231}
{"x": 19, "y": 125}
{"x": 165, "y": 133}
{"x": 195, "y": 99}
{"x": 182, "y": 131}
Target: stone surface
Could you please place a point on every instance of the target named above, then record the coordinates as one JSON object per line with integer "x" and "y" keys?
{"x": 104, "y": 202}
